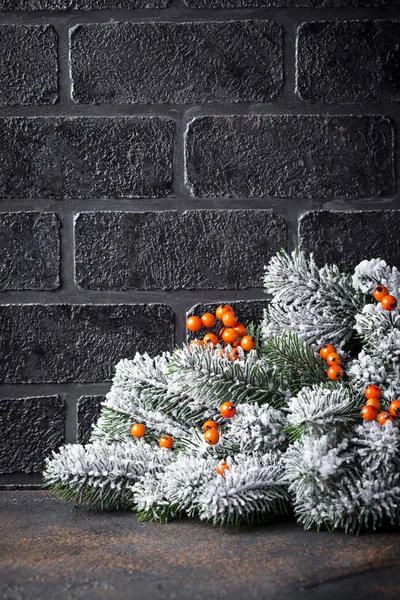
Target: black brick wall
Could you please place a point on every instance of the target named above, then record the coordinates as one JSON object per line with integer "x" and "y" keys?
{"x": 153, "y": 155}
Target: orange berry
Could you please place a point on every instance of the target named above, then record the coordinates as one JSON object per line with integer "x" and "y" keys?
{"x": 334, "y": 359}
{"x": 193, "y": 323}
{"x": 394, "y": 408}
{"x": 166, "y": 441}
{"x": 211, "y": 437}
{"x": 209, "y": 425}
{"x": 389, "y": 302}
{"x": 326, "y": 351}
{"x": 369, "y": 413}
{"x": 229, "y": 335}
{"x": 373, "y": 391}
{"x": 229, "y": 318}
{"x": 384, "y": 417}
{"x": 208, "y": 320}
{"x": 237, "y": 344}
{"x": 374, "y": 402}
{"x": 227, "y": 410}
{"x": 248, "y": 342}
{"x": 240, "y": 329}
{"x": 223, "y": 467}
{"x": 335, "y": 372}
{"x": 223, "y": 308}
{"x": 380, "y": 292}
{"x": 138, "y": 430}
{"x": 210, "y": 338}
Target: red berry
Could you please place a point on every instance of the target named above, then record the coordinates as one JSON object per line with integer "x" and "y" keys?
{"x": 229, "y": 318}
{"x": 389, "y": 302}
{"x": 211, "y": 437}
{"x": 210, "y": 338}
{"x": 248, "y": 342}
{"x": 209, "y": 425}
{"x": 138, "y": 430}
{"x": 373, "y": 391}
{"x": 223, "y": 308}
{"x": 240, "y": 329}
{"x": 227, "y": 410}
{"x": 193, "y": 323}
{"x": 394, "y": 408}
{"x": 166, "y": 441}
{"x": 334, "y": 359}
{"x": 223, "y": 467}
{"x": 326, "y": 351}
{"x": 374, "y": 402}
{"x": 208, "y": 320}
{"x": 229, "y": 335}
{"x": 380, "y": 292}
{"x": 384, "y": 417}
{"x": 369, "y": 413}
{"x": 335, "y": 372}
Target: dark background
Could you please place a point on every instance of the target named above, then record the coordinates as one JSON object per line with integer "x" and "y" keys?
{"x": 137, "y": 268}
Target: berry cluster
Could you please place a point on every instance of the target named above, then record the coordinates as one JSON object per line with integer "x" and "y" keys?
{"x": 210, "y": 428}
{"x": 334, "y": 360}
{"x": 230, "y": 332}
{"x": 138, "y": 430}
{"x": 211, "y": 431}
{"x": 381, "y": 294}
{"x": 370, "y": 412}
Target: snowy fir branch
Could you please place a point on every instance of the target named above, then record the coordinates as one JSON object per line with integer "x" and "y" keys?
{"x": 250, "y": 432}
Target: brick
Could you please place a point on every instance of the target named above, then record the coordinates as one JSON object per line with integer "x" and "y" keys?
{"x": 199, "y": 249}
{"x": 279, "y": 3}
{"x": 349, "y": 61}
{"x": 176, "y": 62}
{"x": 346, "y": 238}
{"x": 248, "y": 311}
{"x": 290, "y": 156}
{"x": 82, "y": 343}
{"x": 95, "y": 157}
{"x": 30, "y": 429}
{"x": 36, "y": 5}
{"x": 29, "y": 65}
{"x": 88, "y": 412}
{"x": 29, "y": 251}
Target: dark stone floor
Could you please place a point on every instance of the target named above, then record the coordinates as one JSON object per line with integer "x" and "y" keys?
{"x": 51, "y": 550}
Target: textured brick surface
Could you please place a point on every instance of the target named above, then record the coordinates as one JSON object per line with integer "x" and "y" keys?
{"x": 28, "y": 65}
{"x": 248, "y": 311}
{"x": 79, "y": 4}
{"x": 222, "y": 249}
{"x": 88, "y": 413}
{"x": 176, "y": 62}
{"x": 289, "y": 156}
{"x": 29, "y": 251}
{"x": 30, "y": 428}
{"x": 57, "y": 343}
{"x": 118, "y": 157}
{"x": 346, "y": 238}
{"x": 350, "y": 61}
{"x": 279, "y": 3}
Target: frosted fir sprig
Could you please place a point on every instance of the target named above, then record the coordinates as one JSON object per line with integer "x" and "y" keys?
{"x": 253, "y": 490}
{"x": 257, "y": 428}
{"x": 383, "y": 370}
{"x": 99, "y": 474}
{"x": 370, "y": 273}
{"x": 319, "y": 408}
{"x": 319, "y": 304}
{"x": 377, "y": 447}
{"x": 121, "y": 409}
